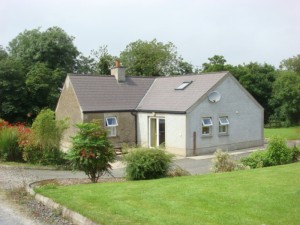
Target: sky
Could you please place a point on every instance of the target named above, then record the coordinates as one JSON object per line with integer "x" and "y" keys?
{"x": 243, "y": 31}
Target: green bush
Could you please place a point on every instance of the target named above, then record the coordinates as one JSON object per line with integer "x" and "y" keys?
{"x": 143, "y": 164}
{"x": 91, "y": 152}
{"x": 295, "y": 151}
{"x": 43, "y": 142}
{"x": 224, "y": 163}
{"x": 256, "y": 159}
{"x": 9, "y": 150}
{"x": 278, "y": 152}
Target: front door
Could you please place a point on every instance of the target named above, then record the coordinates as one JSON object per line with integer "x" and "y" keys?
{"x": 156, "y": 131}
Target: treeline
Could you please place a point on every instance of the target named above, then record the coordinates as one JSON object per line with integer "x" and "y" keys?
{"x": 34, "y": 65}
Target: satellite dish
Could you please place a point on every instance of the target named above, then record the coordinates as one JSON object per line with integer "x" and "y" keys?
{"x": 214, "y": 96}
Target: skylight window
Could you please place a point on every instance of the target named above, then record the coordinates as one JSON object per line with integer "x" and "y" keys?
{"x": 183, "y": 85}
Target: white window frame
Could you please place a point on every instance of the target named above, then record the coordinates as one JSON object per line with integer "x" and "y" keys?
{"x": 183, "y": 85}
{"x": 206, "y": 126}
{"x": 223, "y": 124}
{"x": 111, "y": 127}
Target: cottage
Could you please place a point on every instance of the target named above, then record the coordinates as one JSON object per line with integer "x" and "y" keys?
{"x": 189, "y": 115}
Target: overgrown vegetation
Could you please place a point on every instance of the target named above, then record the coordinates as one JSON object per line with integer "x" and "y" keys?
{"x": 43, "y": 143}
{"x": 143, "y": 164}
{"x": 9, "y": 150}
{"x": 277, "y": 153}
{"x": 91, "y": 151}
{"x": 39, "y": 144}
{"x": 263, "y": 196}
{"x": 222, "y": 162}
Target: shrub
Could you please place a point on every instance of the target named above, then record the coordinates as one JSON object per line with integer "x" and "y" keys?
{"x": 177, "y": 171}
{"x": 9, "y": 150}
{"x": 146, "y": 163}
{"x": 278, "y": 152}
{"x": 42, "y": 143}
{"x": 295, "y": 152}
{"x": 222, "y": 162}
{"x": 256, "y": 159}
{"x": 91, "y": 151}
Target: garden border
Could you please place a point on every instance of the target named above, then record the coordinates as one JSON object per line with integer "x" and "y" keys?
{"x": 75, "y": 217}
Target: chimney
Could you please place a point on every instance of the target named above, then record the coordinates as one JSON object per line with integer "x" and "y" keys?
{"x": 118, "y": 71}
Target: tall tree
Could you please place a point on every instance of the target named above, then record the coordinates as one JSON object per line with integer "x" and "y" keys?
{"x": 286, "y": 97}
{"x": 53, "y": 47}
{"x": 152, "y": 58}
{"x": 46, "y": 57}
{"x": 104, "y": 60}
{"x": 292, "y": 64}
{"x": 3, "y": 53}
{"x": 14, "y": 105}
{"x": 215, "y": 64}
{"x": 258, "y": 80}
{"x": 42, "y": 84}
{"x": 85, "y": 65}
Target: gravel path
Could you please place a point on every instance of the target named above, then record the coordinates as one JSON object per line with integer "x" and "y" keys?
{"x": 30, "y": 212}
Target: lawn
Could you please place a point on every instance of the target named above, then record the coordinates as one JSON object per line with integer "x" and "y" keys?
{"x": 261, "y": 196}
{"x": 290, "y": 133}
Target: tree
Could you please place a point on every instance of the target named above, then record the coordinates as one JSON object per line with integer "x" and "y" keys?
{"x": 53, "y": 47}
{"x": 286, "y": 97}
{"x": 258, "y": 80}
{"x": 85, "y": 65}
{"x": 3, "y": 53}
{"x": 13, "y": 94}
{"x": 153, "y": 58}
{"x": 292, "y": 64}
{"x": 91, "y": 152}
{"x": 42, "y": 84}
{"x": 215, "y": 64}
{"x": 104, "y": 60}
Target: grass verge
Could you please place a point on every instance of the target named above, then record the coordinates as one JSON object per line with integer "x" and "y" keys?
{"x": 290, "y": 133}
{"x": 261, "y": 196}
{"x": 32, "y": 166}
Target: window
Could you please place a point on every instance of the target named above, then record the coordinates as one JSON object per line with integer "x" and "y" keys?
{"x": 111, "y": 124}
{"x": 223, "y": 125}
{"x": 183, "y": 85}
{"x": 206, "y": 126}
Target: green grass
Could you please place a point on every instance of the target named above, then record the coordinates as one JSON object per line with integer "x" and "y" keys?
{"x": 290, "y": 133}
{"x": 30, "y": 166}
{"x": 261, "y": 196}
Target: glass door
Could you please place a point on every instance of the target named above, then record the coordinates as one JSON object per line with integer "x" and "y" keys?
{"x": 156, "y": 131}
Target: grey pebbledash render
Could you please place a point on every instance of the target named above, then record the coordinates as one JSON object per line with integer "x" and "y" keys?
{"x": 189, "y": 115}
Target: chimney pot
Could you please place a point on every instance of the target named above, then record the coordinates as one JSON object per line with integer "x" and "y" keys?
{"x": 117, "y": 63}
{"x": 118, "y": 71}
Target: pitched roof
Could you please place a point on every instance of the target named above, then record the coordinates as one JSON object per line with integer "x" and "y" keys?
{"x": 104, "y": 93}
{"x": 163, "y": 96}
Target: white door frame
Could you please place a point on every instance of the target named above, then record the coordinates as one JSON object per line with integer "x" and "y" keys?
{"x": 156, "y": 131}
